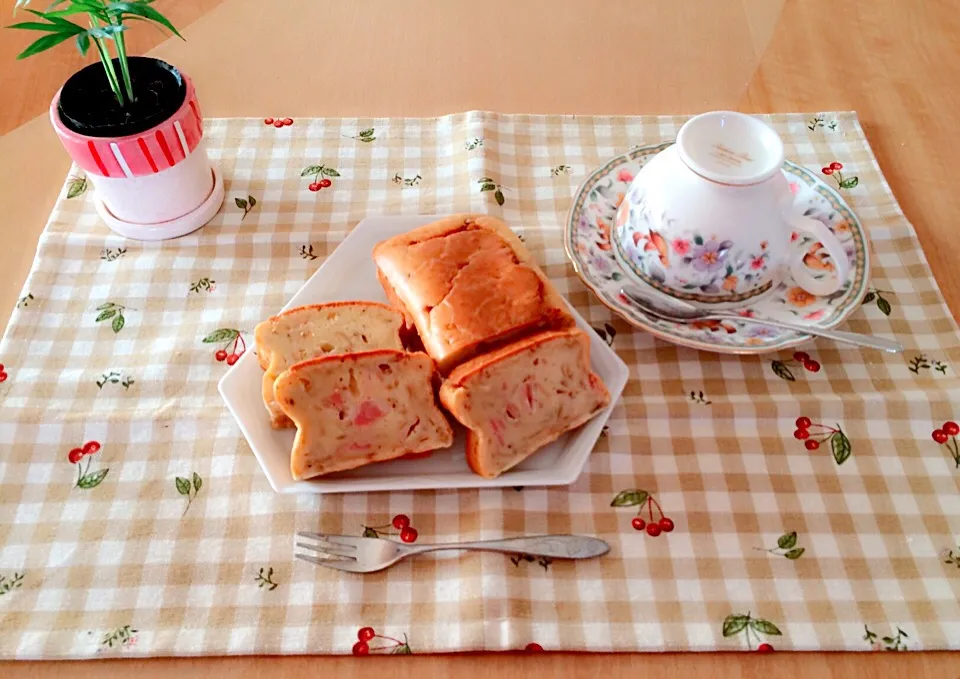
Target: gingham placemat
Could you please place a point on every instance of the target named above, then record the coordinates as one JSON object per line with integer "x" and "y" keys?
{"x": 135, "y": 520}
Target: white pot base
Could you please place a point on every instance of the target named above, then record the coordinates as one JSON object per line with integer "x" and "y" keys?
{"x": 173, "y": 228}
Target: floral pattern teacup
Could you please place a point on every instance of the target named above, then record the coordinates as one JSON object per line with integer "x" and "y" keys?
{"x": 709, "y": 220}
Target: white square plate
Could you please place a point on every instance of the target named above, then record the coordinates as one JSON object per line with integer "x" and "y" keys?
{"x": 349, "y": 273}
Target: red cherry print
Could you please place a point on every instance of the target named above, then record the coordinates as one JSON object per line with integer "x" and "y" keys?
{"x": 812, "y": 366}
{"x": 401, "y": 521}
{"x": 653, "y": 529}
{"x": 361, "y": 648}
{"x": 2, "y": 368}
{"x": 951, "y": 428}
{"x": 91, "y": 447}
{"x": 221, "y": 355}
{"x": 765, "y": 648}
{"x": 75, "y": 455}
{"x": 288, "y": 121}
{"x": 324, "y": 183}
{"x": 801, "y": 356}
{"x": 811, "y": 444}
{"x": 366, "y": 634}
{"x": 803, "y": 423}
{"x": 314, "y": 186}
{"x": 836, "y": 166}
{"x": 533, "y": 648}
{"x": 268, "y": 121}
{"x": 233, "y": 358}
{"x": 3, "y": 376}
{"x": 666, "y": 525}
{"x": 278, "y": 123}
{"x": 940, "y": 436}
{"x": 638, "y": 523}
{"x": 801, "y": 434}
{"x": 827, "y": 171}
{"x": 408, "y": 534}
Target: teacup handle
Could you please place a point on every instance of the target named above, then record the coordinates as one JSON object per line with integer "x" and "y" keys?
{"x": 834, "y": 248}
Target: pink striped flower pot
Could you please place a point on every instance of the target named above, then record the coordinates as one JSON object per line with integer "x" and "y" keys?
{"x": 153, "y": 185}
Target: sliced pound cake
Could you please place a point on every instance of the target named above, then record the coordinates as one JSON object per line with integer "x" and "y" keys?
{"x": 320, "y": 330}
{"x": 468, "y": 285}
{"x": 354, "y": 409}
{"x": 519, "y": 398}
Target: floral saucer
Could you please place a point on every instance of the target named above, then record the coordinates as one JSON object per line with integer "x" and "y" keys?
{"x": 588, "y": 245}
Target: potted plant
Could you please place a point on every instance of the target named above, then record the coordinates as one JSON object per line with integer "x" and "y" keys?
{"x": 132, "y": 124}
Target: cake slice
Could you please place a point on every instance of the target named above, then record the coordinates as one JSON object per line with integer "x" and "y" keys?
{"x": 354, "y": 409}
{"x": 519, "y": 398}
{"x": 319, "y": 330}
{"x": 467, "y": 284}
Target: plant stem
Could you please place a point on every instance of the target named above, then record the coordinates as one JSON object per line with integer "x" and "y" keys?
{"x": 124, "y": 66}
{"x": 107, "y": 62}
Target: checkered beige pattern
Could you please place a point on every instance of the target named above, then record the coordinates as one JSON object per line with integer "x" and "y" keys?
{"x": 126, "y": 567}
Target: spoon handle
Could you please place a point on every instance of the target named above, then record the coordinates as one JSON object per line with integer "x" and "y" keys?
{"x": 854, "y": 338}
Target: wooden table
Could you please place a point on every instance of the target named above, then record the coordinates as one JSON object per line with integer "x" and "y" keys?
{"x": 894, "y": 61}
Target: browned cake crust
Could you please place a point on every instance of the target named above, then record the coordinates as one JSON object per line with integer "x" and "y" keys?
{"x": 468, "y": 284}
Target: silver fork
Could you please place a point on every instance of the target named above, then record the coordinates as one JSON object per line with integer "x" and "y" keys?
{"x": 366, "y": 555}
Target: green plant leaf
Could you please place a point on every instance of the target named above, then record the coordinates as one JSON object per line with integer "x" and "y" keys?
{"x": 144, "y": 10}
{"x": 781, "y": 370}
{"x": 311, "y": 170}
{"x": 45, "y": 43}
{"x": 765, "y": 626}
{"x": 734, "y": 624}
{"x": 630, "y": 498}
{"x": 366, "y": 133}
{"x": 488, "y": 187}
{"x": 484, "y": 180}
{"x": 498, "y": 196}
{"x": 849, "y": 183}
{"x": 118, "y": 323}
{"x": 883, "y": 305}
{"x": 402, "y": 649}
{"x": 109, "y": 313}
{"x": 795, "y": 553}
{"x": 241, "y": 203}
{"x": 869, "y": 297}
{"x": 183, "y": 485}
{"x": 368, "y": 139}
{"x": 787, "y": 540}
{"x": 36, "y": 26}
{"x": 221, "y": 335}
{"x": 106, "y": 305}
{"x": 252, "y": 201}
{"x": 616, "y": 276}
{"x": 93, "y": 480}
{"x": 105, "y": 32}
{"x": 330, "y": 172}
{"x": 77, "y": 185}
{"x": 83, "y": 45}
{"x": 698, "y": 240}
{"x": 370, "y": 533}
{"x": 840, "y": 445}
{"x": 197, "y": 482}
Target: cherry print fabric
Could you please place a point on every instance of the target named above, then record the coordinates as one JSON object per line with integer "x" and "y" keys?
{"x": 802, "y": 500}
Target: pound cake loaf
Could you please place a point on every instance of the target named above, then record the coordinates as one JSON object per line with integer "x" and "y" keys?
{"x": 519, "y": 398}
{"x": 319, "y": 330}
{"x": 468, "y": 284}
{"x": 354, "y": 409}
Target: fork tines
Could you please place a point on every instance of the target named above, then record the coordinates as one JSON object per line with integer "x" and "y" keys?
{"x": 341, "y": 551}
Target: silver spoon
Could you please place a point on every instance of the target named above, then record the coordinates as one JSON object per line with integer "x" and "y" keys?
{"x": 681, "y": 312}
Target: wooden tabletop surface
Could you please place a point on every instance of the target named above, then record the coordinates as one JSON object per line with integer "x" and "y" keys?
{"x": 893, "y": 61}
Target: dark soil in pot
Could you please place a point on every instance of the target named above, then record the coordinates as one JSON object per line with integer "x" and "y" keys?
{"x": 88, "y": 106}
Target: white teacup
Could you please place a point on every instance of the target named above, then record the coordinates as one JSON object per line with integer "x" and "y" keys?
{"x": 709, "y": 219}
